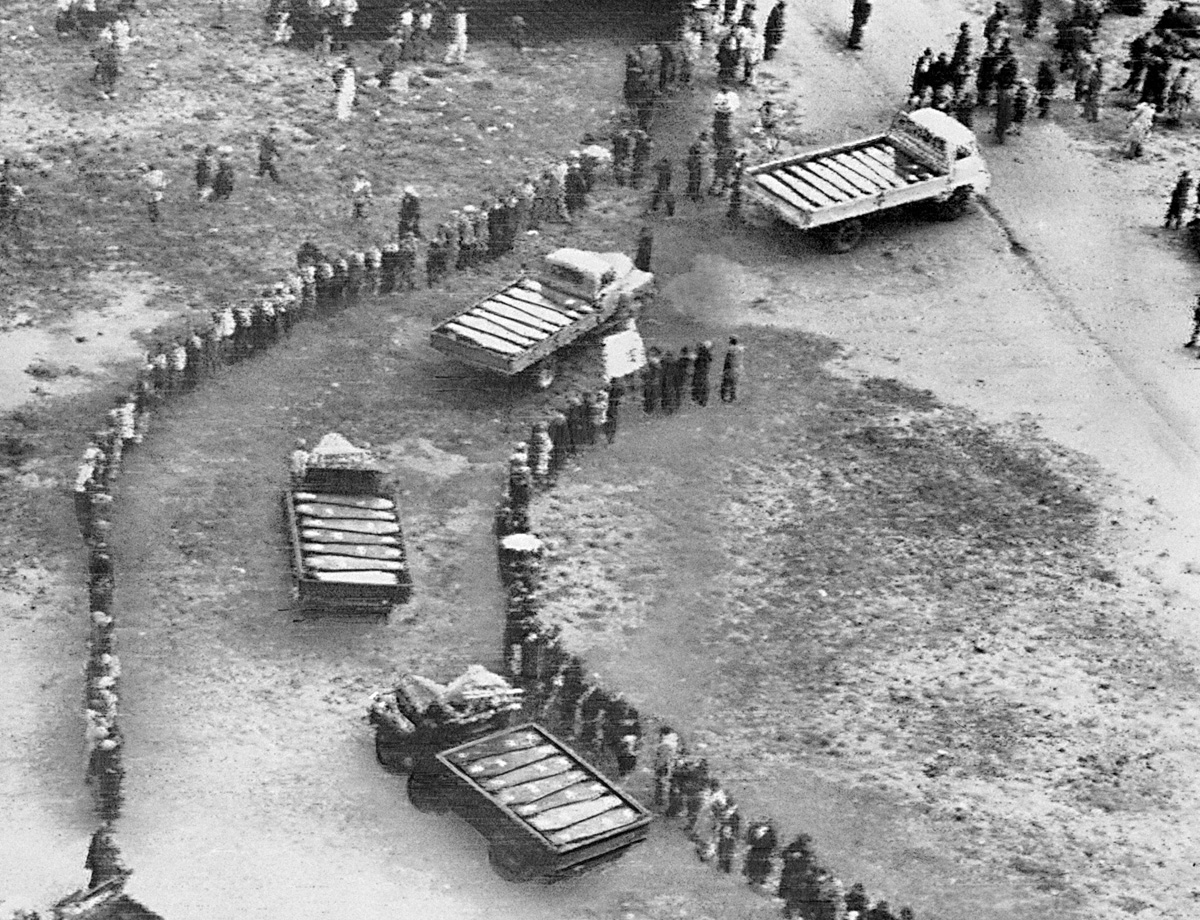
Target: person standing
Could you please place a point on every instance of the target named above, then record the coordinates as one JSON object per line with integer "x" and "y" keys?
{"x": 666, "y": 753}
{"x": 700, "y": 372}
{"x": 406, "y": 266}
{"x": 409, "y": 219}
{"x": 860, "y": 12}
{"x": 1181, "y": 196}
{"x": 518, "y": 33}
{"x": 1022, "y": 95}
{"x": 615, "y": 392}
{"x": 695, "y": 168}
{"x": 1139, "y": 50}
{"x": 734, "y": 215}
{"x": 762, "y": 839}
{"x": 1137, "y": 132}
{"x": 645, "y": 247}
{"x": 361, "y": 195}
{"x": 731, "y": 372}
{"x": 670, "y": 383}
{"x": 1094, "y": 91}
{"x": 663, "y": 173}
{"x": 154, "y": 182}
{"x": 1047, "y": 84}
{"x": 345, "y": 80}
{"x": 223, "y": 181}
{"x": 268, "y": 155}
{"x": 652, "y": 380}
{"x": 643, "y": 146}
{"x": 725, "y": 105}
{"x": 1191, "y": 342}
{"x": 773, "y": 32}
{"x": 206, "y": 166}
{"x": 456, "y": 53}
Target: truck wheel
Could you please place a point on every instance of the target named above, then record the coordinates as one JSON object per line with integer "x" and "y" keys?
{"x": 392, "y": 756}
{"x": 427, "y": 794}
{"x": 508, "y": 869}
{"x": 845, "y": 236}
{"x": 956, "y": 205}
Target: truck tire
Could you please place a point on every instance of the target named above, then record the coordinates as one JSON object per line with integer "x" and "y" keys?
{"x": 956, "y": 205}
{"x": 427, "y": 793}
{"x": 845, "y": 236}
{"x": 508, "y": 869}
{"x": 392, "y": 756}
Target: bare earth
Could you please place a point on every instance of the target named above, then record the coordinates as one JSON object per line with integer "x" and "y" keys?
{"x": 949, "y": 633}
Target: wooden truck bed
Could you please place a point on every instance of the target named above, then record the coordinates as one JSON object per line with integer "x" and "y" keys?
{"x": 546, "y": 812}
{"x": 842, "y": 181}
{"x": 347, "y": 552}
{"x": 515, "y": 327}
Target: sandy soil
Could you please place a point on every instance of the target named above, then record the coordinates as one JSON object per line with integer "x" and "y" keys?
{"x": 225, "y": 696}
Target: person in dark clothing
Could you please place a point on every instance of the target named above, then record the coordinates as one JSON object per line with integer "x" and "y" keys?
{"x": 409, "y": 217}
{"x": 773, "y": 31}
{"x": 1033, "y": 17}
{"x": 727, "y": 837}
{"x": 734, "y": 214}
{"x": 1154, "y": 86}
{"x": 798, "y": 873}
{"x": 663, "y": 174}
{"x": 1046, "y": 85}
{"x": 728, "y": 58}
{"x": 576, "y": 424}
{"x": 921, "y": 74}
{"x": 1191, "y": 342}
{"x": 642, "y": 148}
{"x": 695, "y": 170}
{"x": 1139, "y": 50}
{"x": 700, "y": 372}
{"x": 670, "y": 384}
{"x": 1181, "y": 196}
{"x": 1004, "y": 115}
{"x": 731, "y": 372}
{"x": 615, "y": 392}
{"x": 268, "y": 155}
{"x": 762, "y": 839}
{"x": 860, "y": 12}
{"x": 962, "y": 47}
{"x": 622, "y": 144}
{"x": 560, "y": 431}
{"x": 652, "y": 382}
{"x": 223, "y": 181}
{"x": 575, "y": 188}
{"x": 103, "y": 857}
{"x": 205, "y": 171}
{"x": 645, "y": 247}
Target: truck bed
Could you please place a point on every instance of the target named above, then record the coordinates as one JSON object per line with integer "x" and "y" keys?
{"x": 347, "y": 551}
{"x": 551, "y": 814}
{"x": 515, "y": 327}
{"x": 834, "y": 183}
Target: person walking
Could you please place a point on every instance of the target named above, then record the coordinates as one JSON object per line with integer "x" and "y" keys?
{"x": 268, "y": 155}
{"x": 731, "y": 372}
{"x": 1181, "y": 197}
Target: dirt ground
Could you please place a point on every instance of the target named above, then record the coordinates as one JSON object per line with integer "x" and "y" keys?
{"x": 958, "y": 651}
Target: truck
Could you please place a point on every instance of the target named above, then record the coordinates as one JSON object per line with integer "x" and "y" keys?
{"x": 347, "y": 546}
{"x": 925, "y": 156}
{"x": 546, "y": 813}
{"x": 518, "y": 329}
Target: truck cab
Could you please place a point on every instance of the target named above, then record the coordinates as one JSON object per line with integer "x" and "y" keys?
{"x": 944, "y": 144}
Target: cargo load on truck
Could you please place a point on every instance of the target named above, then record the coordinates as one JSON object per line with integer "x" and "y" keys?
{"x": 419, "y": 717}
{"x": 520, "y": 327}
{"x": 347, "y": 545}
{"x": 546, "y": 812}
{"x": 926, "y": 156}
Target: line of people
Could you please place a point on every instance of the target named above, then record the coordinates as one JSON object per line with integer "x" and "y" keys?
{"x": 560, "y": 693}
